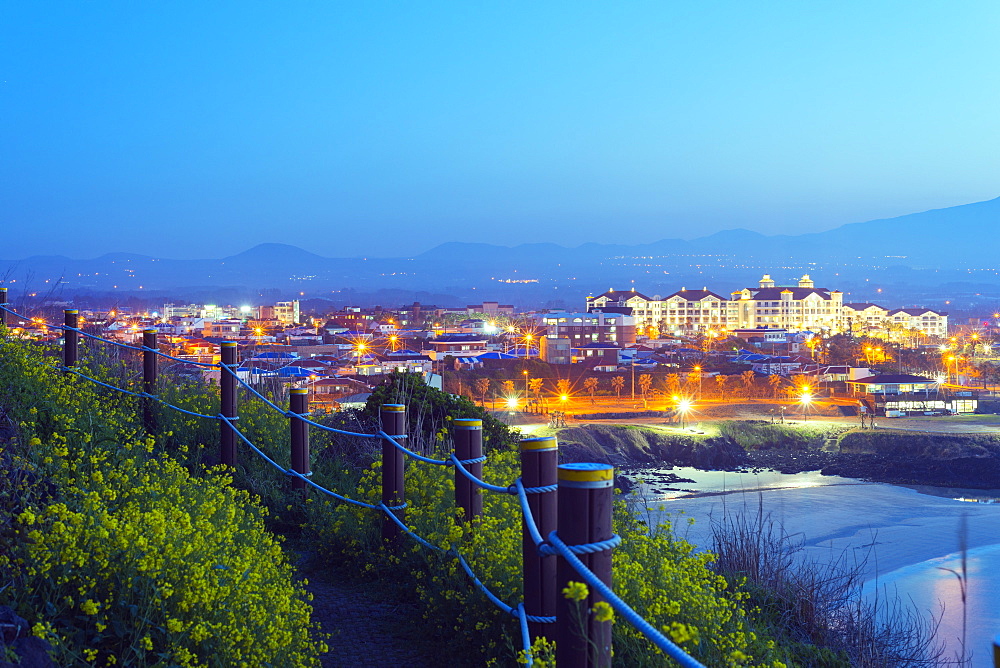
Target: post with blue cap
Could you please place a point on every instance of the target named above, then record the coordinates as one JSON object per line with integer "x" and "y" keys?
{"x": 468, "y": 436}
{"x": 298, "y": 400}
{"x": 71, "y": 338}
{"x": 227, "y": 392}
{"x": 149, "y": 359}
{"x": 585, "y": 500}
{"x": 393, "y": 420}
{"x": 539, "y": 461}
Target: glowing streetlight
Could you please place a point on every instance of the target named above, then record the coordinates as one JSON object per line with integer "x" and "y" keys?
{"x": 683, "y": 407}
{"x": 805, "y": 399}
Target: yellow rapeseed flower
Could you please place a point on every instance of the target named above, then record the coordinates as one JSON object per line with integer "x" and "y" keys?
{"x": 576, "y": 591}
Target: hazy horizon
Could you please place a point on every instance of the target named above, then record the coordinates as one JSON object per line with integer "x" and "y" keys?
{"x": 191, "y": 130}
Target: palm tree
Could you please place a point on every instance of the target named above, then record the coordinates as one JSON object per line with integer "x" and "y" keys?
{"x": 618, "y": 383}
{"x": 720, "y": 381}
{"x": 482, "y": 388}
{"x": 693, "y": 380}
{"x": 774, "y": 380}
{"x": 535, "y": 387}
{"x": 508, "y": 388}
{"x": 590, "y": 385}
{"x": 645, "y": 382}
{"x": 748, "y": 377}
{"x": 674, "y": 383}
{"x": 562, "y": 387}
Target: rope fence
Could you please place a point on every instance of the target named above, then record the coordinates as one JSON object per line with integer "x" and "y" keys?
{"x": 559, "y": 543}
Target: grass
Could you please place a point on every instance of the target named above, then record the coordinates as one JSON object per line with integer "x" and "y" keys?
{"x": 819, "y": 604}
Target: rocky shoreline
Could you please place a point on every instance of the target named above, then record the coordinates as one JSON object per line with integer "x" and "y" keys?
{"x": 902, "y": 459}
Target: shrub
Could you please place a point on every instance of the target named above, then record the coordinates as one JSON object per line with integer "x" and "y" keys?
{"x": 122, "y": 556}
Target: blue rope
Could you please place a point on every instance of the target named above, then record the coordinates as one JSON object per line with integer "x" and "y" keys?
{"x": 525, "y": 636}
{"x": 325, "y": 428}
{"x": 99, "y": 338}
{"x": 621, "y": 607}
{"x": 225, "y": 368}
{"x": 485, "y": 485}
{"x": 541, "y": 490}
{"x": 481, "y": 587}
{"x": 97, "y": 382}
{"x": 546, "y": 549}
{"x": 529, "y": 519}
{"x": 183, "y": 361}
{"x": 296, "y": 474}
{"x": 554, "y": 545}
{"x": 187, "y": 412}
{"x": 407, "y": 529}
{"x": 411, "y": 453}
{"x": 289, "y": 413}
{"x": 147, "y": 395}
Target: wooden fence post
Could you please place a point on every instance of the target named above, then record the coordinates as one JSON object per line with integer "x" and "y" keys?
{"x": 468, "y": 436}
{"x": 585, "y": 500}
{"x": 3, "y": 302}
{"x": 299, "y": 404}
{"x": 227, "y": 391}
{"x": 393, "y": 420}
{"x": 539, "y": 459}
{"x": 71, "y": 338}
{"x": 149, "y": 363}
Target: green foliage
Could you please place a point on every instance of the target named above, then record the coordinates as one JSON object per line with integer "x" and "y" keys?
{"x": 759, "y": 435}
{"x": 179, "y": 568}
{"x": 429, "y": 410}
{"x": 121, "y": 556}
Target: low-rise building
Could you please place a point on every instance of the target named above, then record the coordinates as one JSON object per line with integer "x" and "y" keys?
{"x": 456, "y": 345}
{"x": 555, "y": 349}
{"x": 924, "y": 320}
{"x": 904, "y": 394}
{"x": 593, "y": 327}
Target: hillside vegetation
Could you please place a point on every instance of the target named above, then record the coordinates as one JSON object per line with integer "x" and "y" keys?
{"x": 137, "y": 549}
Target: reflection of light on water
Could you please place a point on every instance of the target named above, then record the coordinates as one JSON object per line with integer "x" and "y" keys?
{"x": 968, "y": 499}
{"x": 933, "y": 586}
{"x": 801, "y": 484}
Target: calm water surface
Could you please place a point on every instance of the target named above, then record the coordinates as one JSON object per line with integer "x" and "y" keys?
{"x": 907, "y": 538}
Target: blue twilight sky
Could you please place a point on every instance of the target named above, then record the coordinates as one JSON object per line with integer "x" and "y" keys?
{"x": 199, "y": 129}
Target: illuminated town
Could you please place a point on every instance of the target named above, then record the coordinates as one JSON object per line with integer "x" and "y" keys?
{"x": 573, "y": 335}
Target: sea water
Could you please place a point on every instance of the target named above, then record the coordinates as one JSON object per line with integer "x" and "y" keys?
{"x": 907, "y": 541}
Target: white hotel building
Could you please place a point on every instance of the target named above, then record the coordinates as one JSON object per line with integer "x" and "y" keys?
{"x": 802, "y": 307}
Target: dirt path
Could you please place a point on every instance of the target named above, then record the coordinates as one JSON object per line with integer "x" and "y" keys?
{"x": 367, "y": 631}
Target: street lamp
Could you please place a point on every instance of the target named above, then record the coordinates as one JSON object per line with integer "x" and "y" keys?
{"x": 525, "y": 372}
{"x": 805, "y": 400}
{"x": 683, "y": 406}
{"x": 698, "y": 370}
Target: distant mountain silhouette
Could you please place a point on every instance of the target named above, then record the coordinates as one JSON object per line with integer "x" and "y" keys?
{"x": 948, "y": 241}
